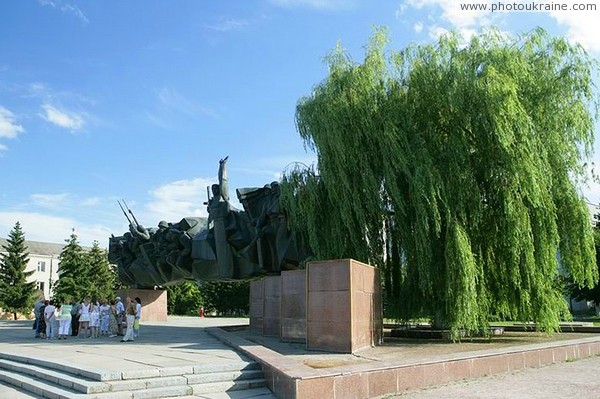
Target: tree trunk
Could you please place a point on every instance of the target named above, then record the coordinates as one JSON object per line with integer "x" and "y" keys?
{"x": 15, "y": 315}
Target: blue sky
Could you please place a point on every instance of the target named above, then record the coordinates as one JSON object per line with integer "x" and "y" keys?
{"x": 102, "y": 100}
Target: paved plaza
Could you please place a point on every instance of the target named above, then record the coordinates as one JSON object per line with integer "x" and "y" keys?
{"x": 183, "y": 341}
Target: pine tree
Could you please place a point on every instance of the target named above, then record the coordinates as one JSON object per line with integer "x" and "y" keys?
{"x": 72, "y": 272}
{"x": 454, "y": 168}
{"x": 98, "y": 272}
{"x": 16, "y": 294}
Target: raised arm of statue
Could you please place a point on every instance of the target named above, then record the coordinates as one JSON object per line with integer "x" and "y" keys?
{"x": 223, "y": 181}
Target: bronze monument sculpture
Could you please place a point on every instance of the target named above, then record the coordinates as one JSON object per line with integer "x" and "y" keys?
{"x": 230, "y": 244}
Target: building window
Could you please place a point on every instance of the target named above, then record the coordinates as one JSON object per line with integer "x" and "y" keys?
{"x": 40, "y": 285}
{"x": 41, "y": 266}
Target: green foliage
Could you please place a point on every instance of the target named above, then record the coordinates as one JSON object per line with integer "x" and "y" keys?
{"x": 184, "y": 299}
{"x": 73, "y": 281}
{"x": 116, "y": 281}
{"x": 16, "y": 294}
{"x": 99, "y": 274}
{"x": 231, "y": 298}
{"x": 454, "y": 169}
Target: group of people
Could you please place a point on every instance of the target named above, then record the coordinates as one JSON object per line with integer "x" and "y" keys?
{"x": 88, "y": 319}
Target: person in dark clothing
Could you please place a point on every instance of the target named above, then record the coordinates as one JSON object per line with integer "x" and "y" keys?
{"x": 74, "y": 318}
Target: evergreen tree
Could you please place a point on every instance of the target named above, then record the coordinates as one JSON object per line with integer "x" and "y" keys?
{"x": 16, "y": 294}
{"x": 73, "y": 275}
{"x": 454, "y": 168}
{"x": 116, "y": 281}
{"x": 98, "y": 273}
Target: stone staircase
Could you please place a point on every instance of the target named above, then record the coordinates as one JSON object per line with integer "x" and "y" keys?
{"x": 60, "y": 381}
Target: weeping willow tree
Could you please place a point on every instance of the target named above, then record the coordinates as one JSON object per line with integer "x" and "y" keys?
{"x": 455, "y": 170}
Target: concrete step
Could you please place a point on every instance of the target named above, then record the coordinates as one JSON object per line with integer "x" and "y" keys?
{"x": 52, "y": 380}
{"x": 60, "y": 378}
{"x": 254, "y": 393}
{"x": 227, "y": 386}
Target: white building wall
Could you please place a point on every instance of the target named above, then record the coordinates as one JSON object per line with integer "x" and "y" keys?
{"x": 45, "y": 274}
{"x": 43, "y": 262}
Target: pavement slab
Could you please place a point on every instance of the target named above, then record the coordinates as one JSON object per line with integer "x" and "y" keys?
{"x": 183, "y": 345}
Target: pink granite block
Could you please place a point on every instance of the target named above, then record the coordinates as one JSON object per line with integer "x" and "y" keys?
{"x": 458, "y": 370}
{"x": 283, "y": 385}
{"x": 361, "y": 306}
{"x": 546, "y": 356}
{"x": 561, "y": 354}
{"x": 268, "y": 376}
{"x": 272, "y": 306}
{"x": 257, "y": 289}
{"x": 584, "y": 350}
{"x": 256, "y": 324}
{"x": 499, "y": 364}
{"x": 333, "y": 275}
{"x": 154, "y": 303}
{"x": 351, "y": 386}
{"x": 532, "y": 359}
{"x": 595, "y": 348}
{"x": 435, "y": 374}
{"x": 271, "y": 327}
{"x": 293, "y": 330}
{"x": 362, "y": 335}
{"x": 272, "y": 287}
{"x": 256, "y": 310}
{"x": 315, "y": 388}
{"x": 410, "y": 378}
{"x": 364, "y": 277}
{"x": 480, "y": 367}
{"x": 328, "y": 336}
{"x": 332, "y": 306}
{"x": 293, "y": 304}
{"x": 256, "y": 307}
{"x": 516, "y": 361}
{"x": 353, "y": 314}
{"x": 293, "y": 282}
{"x": 382, "y": 382}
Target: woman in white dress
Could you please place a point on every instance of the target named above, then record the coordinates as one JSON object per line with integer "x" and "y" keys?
{"x": 104, "y": 317}
{"x": 84, "y": 318}
{"x": 94, "y": 320}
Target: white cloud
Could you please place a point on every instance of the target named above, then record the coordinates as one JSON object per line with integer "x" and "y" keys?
{"x": 67, "y": 8}
{"x": 171, "y": 103}
{"x": 581, "y": 26}
{"x": 229, "y": 25}
{"x": 418, "y": 27}
{"x": 317, "y": 4}
{"x": 8, "y": 127}
{"x": 56, "y": 229}
{"x": 436, "y": 31}
{"x": 179, "y": 199}
{"x": 62, "y": 118}
{"x": 3, "y": 147}
{"x": 463, "y": 21}
{"x": 93, "y": 201}
{"x": 269, "y": 169}
{"x": 175, "y": 101}
{"x": 51, "y": 201}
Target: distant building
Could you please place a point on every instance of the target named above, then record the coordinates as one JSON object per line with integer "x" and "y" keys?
{"x": 43, "y": 261}
{"x": 594, "y": 211}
